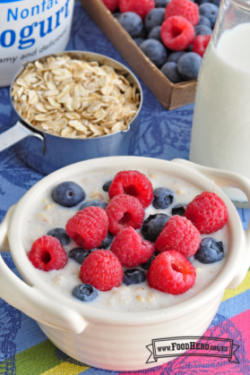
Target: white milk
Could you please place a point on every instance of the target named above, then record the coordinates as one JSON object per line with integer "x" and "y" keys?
{"x": 31, "y": 29}
{"x": 48, "y": 215}
{"x": 221, "y": 124}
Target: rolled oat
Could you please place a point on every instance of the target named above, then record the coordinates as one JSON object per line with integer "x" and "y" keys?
{"x": 74, "y": 98}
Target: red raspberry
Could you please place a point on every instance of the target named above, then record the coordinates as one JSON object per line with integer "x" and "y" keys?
{"x": 179, "y": 234}
{"x": 112, "y": 5}
{"x": 102, "y": 270}
{"x": 207, "y": 212}
{"x": 177, "y": 33}
{"x": 140, "y": 7}
{"x": 48, "y": 254}
{"x": 171, "y": 272}
{"x": 132, "y": 183}
{"x": 124, "y": 211}
{"x": 88, "y": 227}
{"x": 200, "y": 44}
{"x": 131, "y": 249}
{"x": 184, "y": 8}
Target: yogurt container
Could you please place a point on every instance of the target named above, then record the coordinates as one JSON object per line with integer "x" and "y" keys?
{"x": 31, "y": 29}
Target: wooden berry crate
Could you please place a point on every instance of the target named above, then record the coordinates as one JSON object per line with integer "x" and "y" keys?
{"x": 170, "y": 95}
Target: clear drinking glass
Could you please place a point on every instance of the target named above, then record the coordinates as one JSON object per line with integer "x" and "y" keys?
{"x": 221, "y": 124}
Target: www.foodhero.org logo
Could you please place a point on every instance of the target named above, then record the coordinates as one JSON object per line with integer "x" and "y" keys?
{"x": 23, "y": 22}
{"x": 188, "y": 346}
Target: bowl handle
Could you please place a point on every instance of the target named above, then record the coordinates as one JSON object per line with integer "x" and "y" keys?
{"x": 30, "y": 300}
{"x": 224, "y": 178}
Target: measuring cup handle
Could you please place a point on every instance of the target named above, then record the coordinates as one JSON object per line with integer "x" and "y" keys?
{"x": 16, "y": 134}
{"x": 228, "y": 179}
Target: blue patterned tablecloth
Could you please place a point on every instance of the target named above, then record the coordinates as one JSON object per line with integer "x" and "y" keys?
{"x": 162, "y": 134}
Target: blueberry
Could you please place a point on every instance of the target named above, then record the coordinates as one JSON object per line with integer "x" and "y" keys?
{"x": 79, "y": 254}
{"x": 68, "y": 194}
{"x": 179, "y": 209}
{"x": 204, "y": 21}
{"x": 161, "y": 3}
{"x": 155, "y": 33}
{"x": 117, "y": 15}
{"x": 85, "y": 292}
{"x": 153, "y": 225}
{"x": 210, "y": 11}
{"x": 106, "y": 186}
{"x": 154, "y": 18}
{"x": 146, "y": 265}
{"x": 199, "y": 2}
{"x": 169, "y": 69}
{"x": 134, "y": 276}
{"x": 215, "y": 2}
{"x": 189, "y": 65}
{"x": 190, "y": 48}
{"x": 210, "y": 251}
{"x": 202, "y": 30}
{"x": 107, "y": 241}
{"x": 155, "y": 51}
{"x": 175, "y": 56}
{"x": 162, "y": 198}
{"x": 132, "y": 23}
{"x": 94, "y": 203}
{"x": 61, "y": 235}
{"x": 143, "y": 33}
{"x": 138, "y": 41}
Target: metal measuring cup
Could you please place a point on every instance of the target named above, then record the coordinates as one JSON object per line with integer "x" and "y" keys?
{"x": 46, "y": 153}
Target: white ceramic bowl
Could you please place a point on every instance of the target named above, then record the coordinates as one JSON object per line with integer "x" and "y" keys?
{"x": 118, "y": 340}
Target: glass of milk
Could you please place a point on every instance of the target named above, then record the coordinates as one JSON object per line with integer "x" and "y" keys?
{"x": 221, "y": 124}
